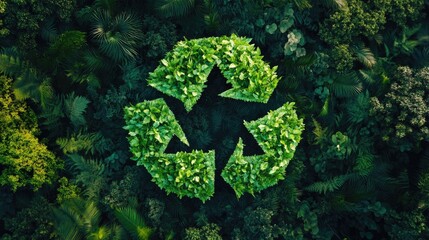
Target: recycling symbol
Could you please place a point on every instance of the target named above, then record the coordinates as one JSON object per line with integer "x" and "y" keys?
{"x": 183, "y": 74}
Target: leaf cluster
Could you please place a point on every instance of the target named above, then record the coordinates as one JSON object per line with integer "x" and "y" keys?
{"x": 403, "y": 113}
{"x": 23, "y": 159}
{"x": 151, "y": 125}
{"x": 183, "y": 72}
{"x": 278, "y": 134}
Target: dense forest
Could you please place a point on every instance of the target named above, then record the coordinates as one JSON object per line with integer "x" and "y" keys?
{"x": 344, "y": 84}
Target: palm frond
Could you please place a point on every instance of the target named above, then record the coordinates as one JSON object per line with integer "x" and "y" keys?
{"x": 76, "y": 218}
{"x": 83, "y": 72}
{"x": 133, "y": 223}
{"x": 175, "y": 8}
{"x": 302, "y": 4}
{"x": 68, "y": 217}
{"x": 91, "y": 217}
{"x": 75, "y": 107}
{"x": 118, "y": 36}
{"x": 335, "y": 4}
{"x": 364, "y": 55}
{"x": 93, "y": 61}
{"x": 48, "y": 32}
{"x": 346, "y": 85}
{"x": 118, "y": 232}
{"x": 102, "y": 232}
{"x": 421, "y": 57}
{"x": 211, "y": 16}
{"x": 128, "y": 25}
{"x": 409, "y": 40}
{"x": 102, "y": 24}
{"x": 367, "y": 76}
{"x": 107, "y": 5}
{"x": 401, "y": 182}
{"x": 65, "y": 225}
{"x": 327, "y": 186}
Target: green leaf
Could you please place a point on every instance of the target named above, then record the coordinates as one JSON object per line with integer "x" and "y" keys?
{"x": 133, "y": 223}
{"x": 285, "y": 24}
{"x": 260, "y": 22}
{"x": 265, "y": 170}
{"x": 271, "y": 29}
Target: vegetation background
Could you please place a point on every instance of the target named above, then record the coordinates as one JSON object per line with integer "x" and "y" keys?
{"x": 357, "y": 70}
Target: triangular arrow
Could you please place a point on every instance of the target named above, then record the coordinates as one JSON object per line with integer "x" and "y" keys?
{"x": 151, "y": 125}
{"x": 278, "y": 134}
{"x": 183, "y": 72}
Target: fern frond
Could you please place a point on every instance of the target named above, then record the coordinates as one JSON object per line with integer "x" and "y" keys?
{"x": 366, "y": 175}
{"x": 175, "y": 8}
{"x": 76, "y": 218}
{"x": 78, "y": 142}
{"x": 358, "y": 109}
{"x": 75, "y": 107}
{"x": 346, "y": 85}
{"x": 45, "y": 91}
{"x": 325, "y": 108}
{"x": 133, "y": 223}
{"x": 10, "y": 62}
{"x": 29, "y": 83}
{"x": 51, "y": 114}
{"x": 327, "y": 186}
{"x": 79, "y": 165}
{"x": 90, "y": 173}
{"x": 319, "y": 132}
{"x": 364, "y": 55}
{"x": 364, "y": 164}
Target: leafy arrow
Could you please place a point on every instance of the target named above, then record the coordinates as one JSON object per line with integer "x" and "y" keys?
{"x": 278, "y": 134}
{"x": 151, "y": 125}
{"x": 183, "y": 72}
